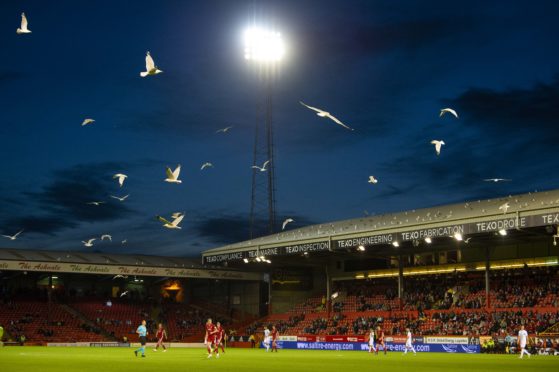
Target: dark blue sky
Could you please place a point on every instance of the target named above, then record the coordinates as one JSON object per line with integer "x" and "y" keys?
{"x": 383, "y": 67}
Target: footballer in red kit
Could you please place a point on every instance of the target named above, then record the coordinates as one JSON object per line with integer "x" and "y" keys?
{"x": 220, "y": 338}
{"x": 380, "y": 340}
{"x": 161, "y": 334}
{"x": 210, "y": 338}
{"x": 275, "y": 336}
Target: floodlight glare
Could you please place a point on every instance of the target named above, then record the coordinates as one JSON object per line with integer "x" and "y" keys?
{"x": 428, "y": 240}
{"x": 396, "y": 244}
{"x": 361, "y": 248}
{"x": 458, "y": 236}
{"x": 503, "y": 232}
{"x": 263, "y": 45}
{"x": 245, "y": 260}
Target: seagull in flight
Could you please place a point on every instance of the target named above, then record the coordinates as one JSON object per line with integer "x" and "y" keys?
{"x": 325, "y": 114}
{"x": 497, "y": 180}
{"x": 263, "y": 169}
{"x": 87, "y": 121}
{"x": 23, "y": 29}
{"x": 505, "y": 207}
{"x": 151, "y": 68}
{"x": 171, "y": 225}
{"x": 121, "y": 177}
{"x": 450, "y": 111}
{"x": 106, "y": 236}
{"x": 123, "y": 242}
{"x": 224, "y": 130}
{"x": 286, "y": 222}
{"x": 372, "y": 180}
{"x": 123, "y": 293}
{"x": 206, "y": 165}
{"x": 120, "y": 199}
{"x": 173, "y": 177}
{"x": 89, "y": 243}
{"x": 13, "y": 237}
{"x": 97, "y": 203}
{"x": 438, "y": 145}
{"x": 177, "y": 215}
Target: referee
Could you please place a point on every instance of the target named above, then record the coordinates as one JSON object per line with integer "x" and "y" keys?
{"x": 142, "y": 332}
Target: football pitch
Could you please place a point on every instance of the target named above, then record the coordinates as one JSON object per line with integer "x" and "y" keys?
{"x": 64, "y": 359}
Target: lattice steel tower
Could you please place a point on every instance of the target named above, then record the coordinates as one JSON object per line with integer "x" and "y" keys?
{"x": 264, "y": 49}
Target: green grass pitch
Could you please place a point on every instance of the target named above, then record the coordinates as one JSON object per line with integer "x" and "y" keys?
{"x": 65, "y": 359}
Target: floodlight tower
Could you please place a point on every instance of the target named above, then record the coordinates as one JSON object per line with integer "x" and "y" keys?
{"x": 264, "y": 49}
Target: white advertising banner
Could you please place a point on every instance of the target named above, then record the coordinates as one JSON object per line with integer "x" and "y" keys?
{"x": 446, "y": 340}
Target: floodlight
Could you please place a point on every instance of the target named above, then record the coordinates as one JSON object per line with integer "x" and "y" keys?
{"x": 503, "y": 232}
{"x": 428, "y": 240}
{"x": 458, "y": 236}
{"x": 361, "y": 248}
{"x": 396, "y": 244}
{"x": 263, "y": 45}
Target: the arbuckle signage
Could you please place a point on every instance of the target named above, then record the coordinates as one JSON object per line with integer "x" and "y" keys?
{"x": 62, "y": 267}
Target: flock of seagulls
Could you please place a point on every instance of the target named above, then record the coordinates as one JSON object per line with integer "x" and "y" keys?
{"x": 173, "y": 176}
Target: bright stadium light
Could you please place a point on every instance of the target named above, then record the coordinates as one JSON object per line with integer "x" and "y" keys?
{"x": 361, "y": 248}
{"x": 458, "y": 236}
{"x": 428, "y": 240}
{"x": 245, "y": 260}
{"x": 503, "y": 232}
{"x": 396, "y": 244}
{"x": 258, "y": 259}
{"x": 263, "y": 45}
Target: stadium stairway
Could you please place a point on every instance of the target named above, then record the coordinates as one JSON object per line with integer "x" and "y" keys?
{"x": 88, "y": 321}
{"x": 551, "y": 331}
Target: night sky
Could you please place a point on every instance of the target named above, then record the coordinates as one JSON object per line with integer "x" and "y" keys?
{"x": 385, "y": 68}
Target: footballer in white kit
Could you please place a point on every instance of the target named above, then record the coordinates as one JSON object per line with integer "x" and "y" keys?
{"x": 372, "y": 340}
{"x": 409, "y": 344}
{"x": 522, "y": 341}
{"x": 267, "y": 338}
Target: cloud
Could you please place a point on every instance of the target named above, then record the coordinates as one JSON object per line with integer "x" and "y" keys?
{"x": 10, "y": 76}
{"x": 234, "y": 228}
{"x": 62, "y": 203}
{"x": 499, "y": 134}
{"x": 513, "y": 113}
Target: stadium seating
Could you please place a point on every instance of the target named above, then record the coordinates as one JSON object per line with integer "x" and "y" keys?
{"x": 40, "y": 322}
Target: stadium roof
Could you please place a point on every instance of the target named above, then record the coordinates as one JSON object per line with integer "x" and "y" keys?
{"x": 529, "y": 210}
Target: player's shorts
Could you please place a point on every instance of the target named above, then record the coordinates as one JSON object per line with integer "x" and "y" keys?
{"x": 522, "y": 346}
{"x": 372, "y": 343}
{"x": 143, "y": 340}
{"x": 266, "y": 340}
